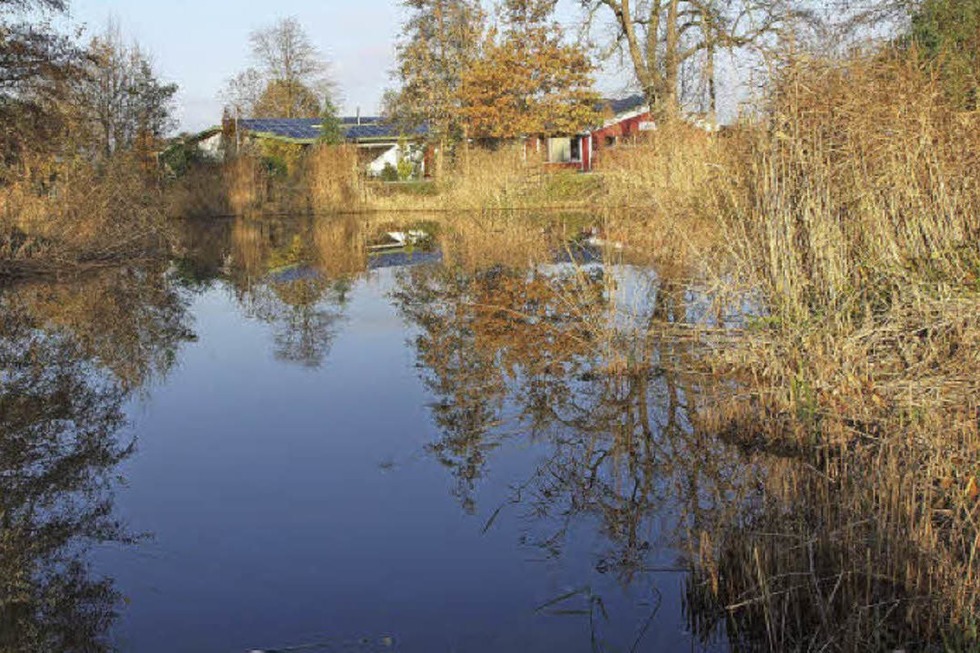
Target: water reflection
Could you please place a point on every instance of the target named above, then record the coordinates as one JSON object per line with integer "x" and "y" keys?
{"x": 294, "y": 275}
{"x": 131, "y": 321}
{"x": 581, "y": 384}
{"x": 468, "y": 349}
{"x": 568, "y": 357}
{"x": 304, "y": 313}
{"x": 70, "y": 355}
{"x": 587, "y": 360}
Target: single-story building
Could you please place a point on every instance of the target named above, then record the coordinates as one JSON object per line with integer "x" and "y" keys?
{"x": 626, "y": 119}
{"x": 382, "y": 146}
{"x": 208, "y": 142}
{"x": 379, "y": 144}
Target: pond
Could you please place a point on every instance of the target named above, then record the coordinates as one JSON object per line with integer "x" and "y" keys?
{"x": 286, "y": 439}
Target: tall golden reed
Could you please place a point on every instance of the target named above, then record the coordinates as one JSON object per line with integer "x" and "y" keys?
{"x": 332, "y": 178}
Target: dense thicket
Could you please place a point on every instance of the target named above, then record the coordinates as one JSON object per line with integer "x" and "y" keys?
{"x": 948, "y": 32}
{"x": 82, "y": 123}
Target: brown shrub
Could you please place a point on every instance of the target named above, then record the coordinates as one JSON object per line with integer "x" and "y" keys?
{"x": 332, "y": 178}
{"x": 90, "y": 214}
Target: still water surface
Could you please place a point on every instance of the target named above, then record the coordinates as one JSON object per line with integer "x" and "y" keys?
{"x": 247, "y": 449}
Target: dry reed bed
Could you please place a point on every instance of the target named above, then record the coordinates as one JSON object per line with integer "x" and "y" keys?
{"x": 857, "y": 214}
{"x": 675, "y": 174}
{"x": 94, "y": 215}
{"x": 477, "y": 179}
{"x": 332, "y": 179}
{"x": 854, "y": 213}
{"x": 829, "y": 560}
{"x": 322, "y": 180}
{"x": 327, "y": 179}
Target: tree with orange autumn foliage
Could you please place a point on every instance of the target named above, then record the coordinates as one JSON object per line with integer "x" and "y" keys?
{"x": 440, "y": 40}
{"x": 529, "y": 80}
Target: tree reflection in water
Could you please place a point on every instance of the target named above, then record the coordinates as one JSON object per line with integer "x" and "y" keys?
{"x": 480, "y": 341}
{"x": 556, "y": 357}
{"x": 70, "y": 355}
{"x": 305, "y": 315}
{"x": 294, "y": 275}
{"x": 592, "y": 364}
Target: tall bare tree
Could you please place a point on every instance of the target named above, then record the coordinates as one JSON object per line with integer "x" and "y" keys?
{"x": 660, "y": 37}
{"x": 120, "y": 97}
{"x": 288, "y": 71}
{"x": 242, "y": 92}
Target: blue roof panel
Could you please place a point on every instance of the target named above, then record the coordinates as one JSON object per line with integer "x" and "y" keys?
{"x": 298, "y": 128}
{"x": 626, "y": 104}
{"x": 308, "y": 129}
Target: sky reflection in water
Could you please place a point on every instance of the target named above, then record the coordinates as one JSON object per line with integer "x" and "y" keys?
{"x": 424, "y": 457}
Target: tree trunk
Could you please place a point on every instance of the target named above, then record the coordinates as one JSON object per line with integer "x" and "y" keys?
{"x": 709, "y": 72}
{"x": 668, "y": 106}
{"x": 645, "y": 68}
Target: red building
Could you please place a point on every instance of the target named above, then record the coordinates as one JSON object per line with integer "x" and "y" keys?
{"x": 628, "y": 118}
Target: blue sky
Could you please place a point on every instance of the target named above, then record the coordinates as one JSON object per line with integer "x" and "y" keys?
{"x": 200, "y": 43}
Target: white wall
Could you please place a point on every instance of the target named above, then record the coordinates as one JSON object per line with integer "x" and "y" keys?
{"x": 391, "y": 156}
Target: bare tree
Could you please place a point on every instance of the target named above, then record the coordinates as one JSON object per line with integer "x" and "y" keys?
{"x": 661, "y": 37}
{"x": 288, "y": 70}
{"x": 242, "y": 92}
{"x": 285, "y": 53}
{"x": 120, "y": 97}
{"x": 862, "y": 16}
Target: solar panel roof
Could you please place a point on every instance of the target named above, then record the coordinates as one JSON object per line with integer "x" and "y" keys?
{"x": 367, "y": 128}
{"x": 622, "y": 105}
{"x": 297, "y": 128}
{"x": 309, "y": 129}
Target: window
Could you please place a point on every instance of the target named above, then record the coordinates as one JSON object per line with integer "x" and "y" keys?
{"x": 564, "y": 150}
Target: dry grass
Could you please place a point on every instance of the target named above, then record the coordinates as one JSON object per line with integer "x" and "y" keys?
{"x": 201, "y": 194}
{"x": 513, "y": 239}
{"x": 92, "y": 215}
{"x": 863, "y": 184}
{"x": 477, "y": 179}
{"x": 482, "y": 179}
{"x": 244, "y": 184}
{"x": 853, "y": 215}
{"x": 671, "y": 171}
{"x": 674, "y": 174}
{"x": 321, "y": 180}
{"x": 332, "y": 178}
{"x": 856, "y": 214}
{"x": 840, "y": 558}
